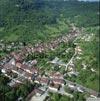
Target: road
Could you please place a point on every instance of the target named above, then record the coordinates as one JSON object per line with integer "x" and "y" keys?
{"x": 70, "y": 61}
{"x": 39, "y": 98}
{"x": 61, "y": 91}
{"x": 85, "y": 89}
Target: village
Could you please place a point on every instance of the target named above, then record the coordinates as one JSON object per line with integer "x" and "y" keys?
{"x": 18, "y": 70}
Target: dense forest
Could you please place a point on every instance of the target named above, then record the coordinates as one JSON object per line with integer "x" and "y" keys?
{"x": 44, "y": 19}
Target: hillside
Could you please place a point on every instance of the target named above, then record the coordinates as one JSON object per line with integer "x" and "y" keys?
{"x": 31, "y": 20}
{"x": 49, "y": 50}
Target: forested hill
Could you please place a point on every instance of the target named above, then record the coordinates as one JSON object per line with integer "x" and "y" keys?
{"x": 33, "y": 20}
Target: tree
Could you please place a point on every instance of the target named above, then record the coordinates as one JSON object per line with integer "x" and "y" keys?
{"x": 10, "y": 96}
{"x": 22, "y": 91}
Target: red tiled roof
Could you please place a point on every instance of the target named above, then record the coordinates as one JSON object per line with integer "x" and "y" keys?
{"x": 56, "y": 75}
{"x": 17, "y": 56}
{"x": 18, "y": 64}
{"x": 55, "y": 86}
{"x": 34, "y": 62}
{"x": 28, "y": 74}
{"x": 24, "y": 66}
{"x": 59, "y": 81}
{"x": 8, "y": 66}
{"x": 34, "y": 70}
{"x": 44, "y": 80}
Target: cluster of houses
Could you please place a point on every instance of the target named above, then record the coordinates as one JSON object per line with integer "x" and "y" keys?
{"x": 88, "y": 37}
{"x": 70, "y": 69}
{"x": 10, "y": 46}
{"x": 39, "y": 47}
{"x": 18, "y": 70}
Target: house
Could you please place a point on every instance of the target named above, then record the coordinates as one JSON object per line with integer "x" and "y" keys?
{"x": 38, "y": 49}
{"x": 20, "y": 99}
{"x": 18, "y": 64}
{"x": 43, "y": 88}
{"x": 93, "y": 70}
{"x": 38, "y": 92}
{"x": 56, "y": 75}
{"x": 5, "y": 71}
{"x": 28, "y": 69}
{"x": 15, "y": 70}
{"x": 59, "y": 81}
{"x": 28, "y": 76}
{"x": 17, "y": 56}
{"x": 34, "y": 62}
{"x": 34, "y": 70}
{"x": 23, "y": 52}
{"x": 93, "y": 96}
{"x": 34, "y": 76}
{"x": 70, "y": 68}
{"x": 73, "y": 73}
{"x": 22, "y": 73}
{"x": 37, "y": 80}
{"x": 78, "y": 50}
{"x": 78, "y": 58}
{"x": 57, "y": 61}
{"x": 79, "y": 89}
{"x": 12, "y": 62}
{"x": 29, "y": 50}
{"x": 13, "y": 84}
{"x": 44, "y": 81}
{"x": 20, "y": 79}
{"x": 8, "y": 66}
{"x": 72, "y": 87}
{"x": 54, "y": 87}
